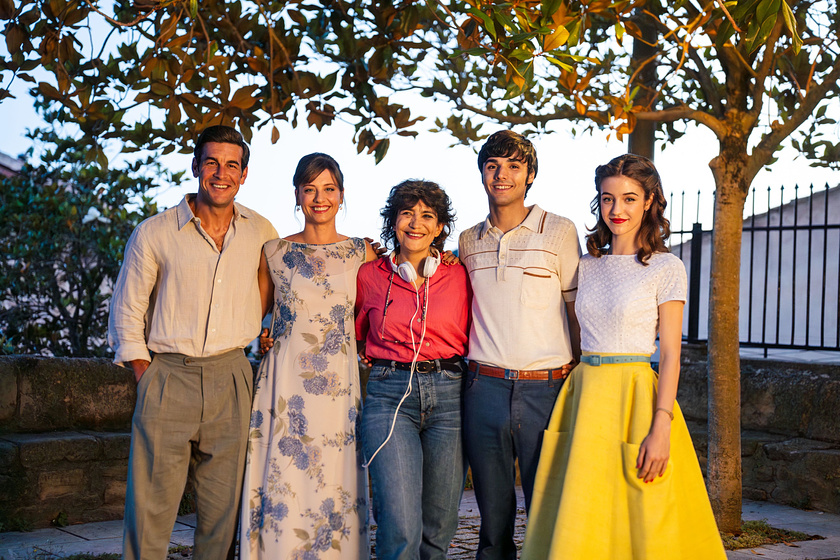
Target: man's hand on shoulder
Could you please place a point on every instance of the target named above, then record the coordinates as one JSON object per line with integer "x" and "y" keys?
{"x": 139, "y": 367}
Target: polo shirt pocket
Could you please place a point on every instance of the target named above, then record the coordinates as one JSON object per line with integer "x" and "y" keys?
{"x": 536, "y": 289}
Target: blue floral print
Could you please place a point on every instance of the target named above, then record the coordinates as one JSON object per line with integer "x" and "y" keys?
{"x": 305, "y": 491}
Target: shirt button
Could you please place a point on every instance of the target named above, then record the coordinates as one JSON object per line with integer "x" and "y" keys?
{"x": 212, "y": 330}
{"x": 219, "y": 280}
{"x": 428, "y": 344}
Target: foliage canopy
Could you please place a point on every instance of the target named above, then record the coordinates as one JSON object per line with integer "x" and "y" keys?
{"x": 63, "y": 229}
{"x": 521, "y": 62}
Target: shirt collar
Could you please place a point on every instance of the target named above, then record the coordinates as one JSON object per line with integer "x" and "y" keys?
{"x": 186, "y": 215}
{"x": 532, "y": 221}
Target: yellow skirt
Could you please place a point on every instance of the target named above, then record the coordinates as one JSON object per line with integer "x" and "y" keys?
{"x": 588, "y": 503}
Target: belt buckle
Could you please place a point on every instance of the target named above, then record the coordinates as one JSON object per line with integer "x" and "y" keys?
{"x": 512, "y": 374}
{"x": 594, "y": 360}
{"x": 423, "y": 367}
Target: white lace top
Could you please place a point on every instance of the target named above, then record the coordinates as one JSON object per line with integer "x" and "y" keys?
{"x": 618, "y": 300}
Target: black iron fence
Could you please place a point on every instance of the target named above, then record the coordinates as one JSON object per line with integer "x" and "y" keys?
{"x": 790, "y": 268}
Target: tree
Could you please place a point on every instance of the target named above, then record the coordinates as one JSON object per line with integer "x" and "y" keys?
{"x": 754, "y": 72}
{"x": 63, "y": 229}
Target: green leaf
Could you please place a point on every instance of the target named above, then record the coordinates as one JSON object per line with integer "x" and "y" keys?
{"x": 549, "y": 7}
{"x": 309, "y": 338}
{"x": 521, "y": 54}
{"x": 560, "y": 63}
{"x": 485, "y": 19}
{"x": 790, "y": 23}
{"x": 574, "y": 32}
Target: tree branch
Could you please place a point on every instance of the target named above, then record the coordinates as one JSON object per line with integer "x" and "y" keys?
{"x": 121, "y": 24}
{"x": 764, "y": 69}
{"x": 677, "y": 114}
{"x": 768, "y": 145}
{"x": 704, "y": 76}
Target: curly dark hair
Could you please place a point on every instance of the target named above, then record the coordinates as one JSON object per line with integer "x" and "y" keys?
{"x": 406, "y": 195}
{"x": 509, "y": 144}
{"x": 655, "y": 228}
{"x": 312, "y": 165}
{"x": 224, "y": 135}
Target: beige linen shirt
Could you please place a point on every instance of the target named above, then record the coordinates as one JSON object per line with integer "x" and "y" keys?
{"x": 521, "y": 280}
{"x": 177, "y": 293}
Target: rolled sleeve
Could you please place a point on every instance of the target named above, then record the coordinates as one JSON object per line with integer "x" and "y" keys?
{"x": 131, "y": 301}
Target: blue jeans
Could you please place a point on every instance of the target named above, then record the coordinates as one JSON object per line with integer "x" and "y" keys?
{"x": 418, "y": 477}
{"x": 504, "y": 421}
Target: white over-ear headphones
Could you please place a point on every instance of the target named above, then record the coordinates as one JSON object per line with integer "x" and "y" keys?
{"x": 406, "y": 270}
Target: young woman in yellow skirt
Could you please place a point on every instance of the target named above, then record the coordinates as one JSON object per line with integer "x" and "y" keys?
{"x": 618, "y": 477}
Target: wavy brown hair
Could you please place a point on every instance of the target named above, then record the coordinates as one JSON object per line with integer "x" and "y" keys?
{"x": 655, "y": 228}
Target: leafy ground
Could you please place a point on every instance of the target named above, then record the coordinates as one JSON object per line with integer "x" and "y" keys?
{"x": 757, "y": 533}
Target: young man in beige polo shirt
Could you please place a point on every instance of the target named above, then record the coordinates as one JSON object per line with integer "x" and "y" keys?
{"x": 522, "y": 263}
{"x": 188, "y": 292}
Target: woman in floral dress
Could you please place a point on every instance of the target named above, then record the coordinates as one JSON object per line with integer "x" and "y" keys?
{"x": 305, "y": 494}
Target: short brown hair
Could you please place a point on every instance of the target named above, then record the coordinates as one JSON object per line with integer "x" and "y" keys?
{"x": 224, "y": 135}
{"x": 509, "y": 144}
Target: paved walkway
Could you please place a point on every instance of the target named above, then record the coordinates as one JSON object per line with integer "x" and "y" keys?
{"x": 99, "y": 538}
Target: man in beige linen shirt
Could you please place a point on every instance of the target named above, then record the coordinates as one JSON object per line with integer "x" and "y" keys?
{"x": 188, "y": 292}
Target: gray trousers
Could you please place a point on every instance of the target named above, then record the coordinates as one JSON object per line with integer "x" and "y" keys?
{"x": 191, "y": 417}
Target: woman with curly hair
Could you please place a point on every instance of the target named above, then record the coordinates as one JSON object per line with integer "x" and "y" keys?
{"x": 618, "y": 477}
{"x": 412, "y": 324}
{"x": 305, "y": 494}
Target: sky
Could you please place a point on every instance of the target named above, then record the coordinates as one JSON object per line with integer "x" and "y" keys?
{"x": 564, "y": 184}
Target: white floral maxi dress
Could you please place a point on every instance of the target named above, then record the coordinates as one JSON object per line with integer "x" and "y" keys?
{"x": 305, "y": 493}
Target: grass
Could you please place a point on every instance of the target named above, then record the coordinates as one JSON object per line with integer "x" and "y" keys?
{"x": 757, "y": 533}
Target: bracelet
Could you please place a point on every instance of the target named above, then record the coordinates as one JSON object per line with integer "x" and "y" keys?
{"x": 666, "y": 411}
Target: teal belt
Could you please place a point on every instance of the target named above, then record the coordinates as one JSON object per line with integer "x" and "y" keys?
{"x": 597, "y": 359}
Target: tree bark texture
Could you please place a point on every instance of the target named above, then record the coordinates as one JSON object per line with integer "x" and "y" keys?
{"x": 724, "y": 465}
{"x": 642, "y": 141}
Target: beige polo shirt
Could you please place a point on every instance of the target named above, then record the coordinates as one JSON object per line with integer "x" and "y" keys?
{"x": 521, "y": 280}
{"x": 177, "y": 293}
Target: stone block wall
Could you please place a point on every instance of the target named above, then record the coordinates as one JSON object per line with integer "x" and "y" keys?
{"x": 790, "y": 422}
{"x": 64, "y": 439}
{"x": 64, "y": 434}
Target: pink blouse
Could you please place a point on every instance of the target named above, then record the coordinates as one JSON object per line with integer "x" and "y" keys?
{"x": 387, "y": 335}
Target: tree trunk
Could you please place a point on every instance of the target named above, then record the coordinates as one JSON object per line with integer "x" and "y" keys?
{"x": 724, "y": 465}
{"x": 642, "y": 141}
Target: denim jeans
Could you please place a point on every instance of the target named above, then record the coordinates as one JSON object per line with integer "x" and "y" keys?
{"x": 504, "y": 421}
{"x": 418, "y": 476}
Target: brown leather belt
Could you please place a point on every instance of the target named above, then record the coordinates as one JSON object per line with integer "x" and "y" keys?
{"x": 514, "y": 374}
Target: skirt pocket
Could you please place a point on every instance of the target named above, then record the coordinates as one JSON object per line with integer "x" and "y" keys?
{"x": 650, "y": 506}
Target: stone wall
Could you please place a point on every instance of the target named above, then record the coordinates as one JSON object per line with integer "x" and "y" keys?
{"x": 64, "y": 434}
{"x": 64, "y": 440}
{"x": 790, "y": 422}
